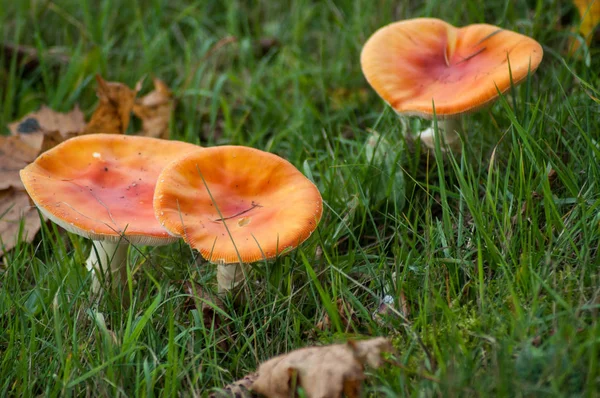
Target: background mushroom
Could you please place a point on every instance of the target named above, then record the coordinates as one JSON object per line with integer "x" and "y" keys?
{"x": 101, "y": 186}
{"x": 420, "y": 63}
{"x": 237, "y": 205}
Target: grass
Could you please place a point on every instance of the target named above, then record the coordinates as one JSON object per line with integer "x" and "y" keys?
{"x": 495, "y": 251}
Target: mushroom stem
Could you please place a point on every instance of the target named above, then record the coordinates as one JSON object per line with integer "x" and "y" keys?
{"x": 450, "y": 131}
{"x": 229, "y": 276}
{"x": 106, "y": 262}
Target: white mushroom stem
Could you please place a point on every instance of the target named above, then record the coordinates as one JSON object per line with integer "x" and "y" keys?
{"x": 230, "y": 276}
{"x": 106, "y": 262}
{"x": 449, "y": 130}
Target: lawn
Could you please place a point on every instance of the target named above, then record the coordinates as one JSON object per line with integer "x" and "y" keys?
{"x": 491, "y": 255}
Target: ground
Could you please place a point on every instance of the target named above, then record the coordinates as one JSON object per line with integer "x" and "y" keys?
{"x": 491, "y": 255}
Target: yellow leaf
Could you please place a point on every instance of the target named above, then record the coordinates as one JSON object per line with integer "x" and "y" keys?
{"x": 589, "y": 12}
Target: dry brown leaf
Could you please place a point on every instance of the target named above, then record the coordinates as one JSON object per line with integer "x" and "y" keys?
{"x": 41, "y": 130}
{"x": 50, "y": 120}
{"x": 155, "y": 110}
{"x": 35, "y": 133}
{"x": 31, "y": 135}
{"x": 114, "y": 109}
{"x": 32, "y": 127}
{"x": 324, "y": 372}
{"x": 14, "y": 155}
{"x": 14, "y": 205}
{"x": 238, "y": 389}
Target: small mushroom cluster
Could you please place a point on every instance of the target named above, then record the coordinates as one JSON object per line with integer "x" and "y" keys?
{"x": 233, "y": 204}
{"x": 427, "y": 67}
{"x": 237, "y": 205}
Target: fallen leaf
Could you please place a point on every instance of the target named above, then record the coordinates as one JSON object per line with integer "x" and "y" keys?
{"x": 59, "y": 126}
{"x": 14, "y": 206}
{"x": 155, "y": 110}
{"x": 328, "y": 371}
{"x": 238, "y": 389}
{"x": 31, "y": 135}
{"x": 41, "y": 130}
{"x": 14, "y": 155}
{"x": 589, "y": 13}
{"x": 50, "y": 120}
{"x": 114, "y": 109}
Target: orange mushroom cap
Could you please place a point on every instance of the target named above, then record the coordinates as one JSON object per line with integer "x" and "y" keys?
{"x": 414, "y": 63}
{"x": 101, "y": 186}
{"x": 230, "y": 199}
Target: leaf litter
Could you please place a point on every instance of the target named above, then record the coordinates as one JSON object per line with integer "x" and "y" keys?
{"x": 45, "y": 128}
{"x": 321, "y": 372}
{"x": 155, "y": 110}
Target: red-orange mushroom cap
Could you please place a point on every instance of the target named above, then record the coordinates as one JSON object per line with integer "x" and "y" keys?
{"x": 231, "y": 200}
{"x": 416, "y": 63}
{"x": 101, "y": 186}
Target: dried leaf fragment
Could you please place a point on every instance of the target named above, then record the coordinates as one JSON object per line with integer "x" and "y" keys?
{"x": 114, "y": 110}
{"x": 41, "y": 130}
{"x": 32, "y": 127}
{"x": 324, "y": 372}
{"x": 50, "y": 120}
{"x": 35, "y": 133}
{"x": 14, "y": 155}
{"x": 238, "y": 389}
{"x": 155, "y": 110}
{"x": 15, "y": 205}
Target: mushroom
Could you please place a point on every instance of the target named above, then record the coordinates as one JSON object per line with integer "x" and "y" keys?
{"x": 101, "y": 186}
{"x": 236, "y": 205}
{"x": 426, "y": 67}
